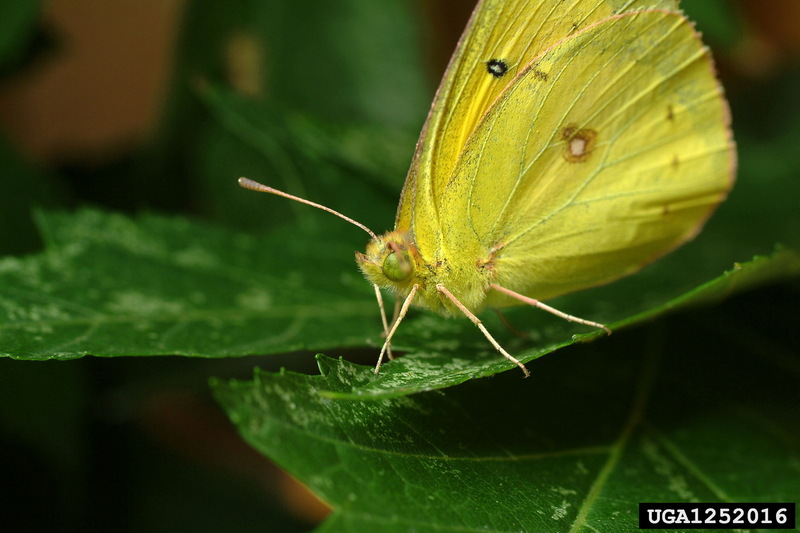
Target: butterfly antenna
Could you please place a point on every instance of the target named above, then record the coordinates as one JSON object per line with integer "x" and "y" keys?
{"x": 260, "y": 187}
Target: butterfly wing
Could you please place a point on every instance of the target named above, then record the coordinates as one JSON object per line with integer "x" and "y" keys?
{"x": 514, "y": 32}
{"x": 609, "y": 149}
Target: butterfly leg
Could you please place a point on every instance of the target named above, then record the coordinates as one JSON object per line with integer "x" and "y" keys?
{"x": 552, "y": 310}
{"x": 403, "y": 311}
{"x": 475, "y": 320}
{"x": 379, "y": 297}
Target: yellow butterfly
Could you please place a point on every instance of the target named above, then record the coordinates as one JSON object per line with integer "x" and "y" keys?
{"x": 570, "y": 143}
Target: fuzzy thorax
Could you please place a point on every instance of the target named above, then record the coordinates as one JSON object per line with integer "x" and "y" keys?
{"x": 393, "y": 261}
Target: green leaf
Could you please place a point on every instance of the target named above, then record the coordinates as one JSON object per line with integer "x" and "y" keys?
{"x": 108, "y": 285}
{"x": 301, "y": 155}
{"x": 648, "y": 415}
{"x": 445, "y": 363}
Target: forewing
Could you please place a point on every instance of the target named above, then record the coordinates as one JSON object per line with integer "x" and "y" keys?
{"x": 609, "y": 150}
{"x": 514, "y": 32}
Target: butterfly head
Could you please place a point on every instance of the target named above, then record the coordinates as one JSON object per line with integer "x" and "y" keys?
{"x": 390, "y": 261}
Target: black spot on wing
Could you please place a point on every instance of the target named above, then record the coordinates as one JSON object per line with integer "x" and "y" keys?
{"x": 497, "y": 67}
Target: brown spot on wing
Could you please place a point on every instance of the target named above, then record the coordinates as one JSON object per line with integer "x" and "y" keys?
{"x": 579, "y": 143}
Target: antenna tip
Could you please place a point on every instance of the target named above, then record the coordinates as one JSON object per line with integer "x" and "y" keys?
{"x": 247, "y": 183}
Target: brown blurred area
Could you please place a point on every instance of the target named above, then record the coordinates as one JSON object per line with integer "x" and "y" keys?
{"x": 772, "y": 37}
{"x": 99, "y": 90}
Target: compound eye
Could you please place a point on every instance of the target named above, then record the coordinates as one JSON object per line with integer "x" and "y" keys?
{"x": 397, "y": 266}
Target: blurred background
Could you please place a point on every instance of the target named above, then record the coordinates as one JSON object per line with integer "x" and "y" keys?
{"x": 160, "y": 105}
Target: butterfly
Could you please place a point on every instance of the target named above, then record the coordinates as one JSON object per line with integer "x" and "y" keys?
{"x": 570, "y": 143}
